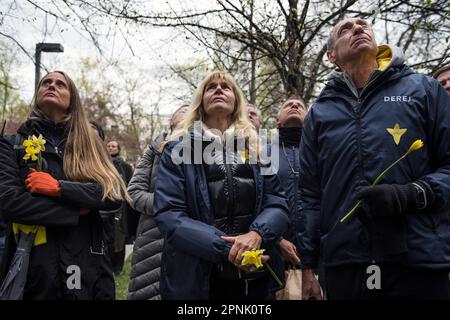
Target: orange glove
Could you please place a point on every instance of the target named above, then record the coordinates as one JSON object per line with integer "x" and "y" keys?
{"x": 42, "y": 183}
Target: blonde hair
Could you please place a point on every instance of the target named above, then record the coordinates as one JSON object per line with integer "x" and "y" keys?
{"x": 239, "y": 118}
{"x": 86, "y": 158}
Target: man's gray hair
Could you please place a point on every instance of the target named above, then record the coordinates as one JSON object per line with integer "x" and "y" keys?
{"x": 258, "y": 112}
{"x": 293, "y": 97}
{"x": 330, "y": 41}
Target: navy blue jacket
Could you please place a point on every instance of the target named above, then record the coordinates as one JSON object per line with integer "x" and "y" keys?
{"x": 345, "y": 144}
{"x": 192, "y": 244}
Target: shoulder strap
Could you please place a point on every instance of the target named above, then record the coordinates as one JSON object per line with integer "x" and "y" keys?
{"x": 17, "y": 142}
{"x": 18, "y": 146}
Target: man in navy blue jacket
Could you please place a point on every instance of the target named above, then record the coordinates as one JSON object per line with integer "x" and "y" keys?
{"x": 290, "y": 120}
{"x": 367, "y": 116}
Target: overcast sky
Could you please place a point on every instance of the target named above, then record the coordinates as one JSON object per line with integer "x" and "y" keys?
{"x": 151, "y": 48}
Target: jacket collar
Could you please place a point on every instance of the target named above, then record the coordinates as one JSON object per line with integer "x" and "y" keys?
{"x": 155, "y": 145}
{"x": 204, "y": 133}
{"x": 54, "y": 134}
{"x": 391, "y": 66}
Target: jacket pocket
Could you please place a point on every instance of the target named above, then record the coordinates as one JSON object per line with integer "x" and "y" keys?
{"x": 424, "y": 222}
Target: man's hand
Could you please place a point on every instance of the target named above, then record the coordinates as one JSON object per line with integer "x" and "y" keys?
{"x": 247, "y": 241}
{"x": 388, "y": 199}
{"x": 289, "y": 252}
{"x": 310, "y": 286}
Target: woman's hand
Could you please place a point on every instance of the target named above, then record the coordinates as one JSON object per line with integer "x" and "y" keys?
{"x": 247, "y": 241}
{"x": 289, "y": 252}
{"x": 42, "y": 183}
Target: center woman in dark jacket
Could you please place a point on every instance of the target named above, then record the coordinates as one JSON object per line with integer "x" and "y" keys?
{"x": 61, "y": 201}
{"x": 212, "y": 204}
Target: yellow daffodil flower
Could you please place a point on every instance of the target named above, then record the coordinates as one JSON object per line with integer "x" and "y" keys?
{"x": 33, "y": 148}
{"x": 244, "y": 155}
{"x": 31, "y": 152}
{"x": 416, "y": 145}
{"x": 252, "y": 258}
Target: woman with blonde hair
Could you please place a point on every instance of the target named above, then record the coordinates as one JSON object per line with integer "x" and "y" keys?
{"x": 59, "y": 197}
{"x": 212, "y": 204}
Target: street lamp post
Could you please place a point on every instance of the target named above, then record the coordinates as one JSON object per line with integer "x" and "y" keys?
{"x": 43, "y": 47}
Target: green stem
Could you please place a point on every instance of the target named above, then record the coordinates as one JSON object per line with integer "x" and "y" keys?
{"x": 386, "y": 170}
{"x": 351, "y": 211}
{"x": 373, "y": 184}
{"x": 39, "y": 163}
{"x": 273, "y": 274}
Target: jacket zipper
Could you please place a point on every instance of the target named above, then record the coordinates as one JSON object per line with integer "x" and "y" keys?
{"x": 360, "y": 163}
{"x": 358, "y": 111}
{"x": 58, "y": 149}
{"x": 297, "y": 169}
{"x": 230, "y": 190}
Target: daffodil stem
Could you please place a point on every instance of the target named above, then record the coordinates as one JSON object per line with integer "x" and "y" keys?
{"x": 39, "y": 163}
{"x": 273, "y": 274}
{"x": 351, "y": 211}
{"x": 373, "y": 184}
{"x": 386, "y": 170}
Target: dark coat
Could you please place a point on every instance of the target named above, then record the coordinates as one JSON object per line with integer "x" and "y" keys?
{"x": 288, "y": 173}
{"x": 192, "y": 244}
{"x": 127, "y": 217}
{"x": 71, "y": 239}
{"x": 345, "y": 144}
{"x": 147, "y": 250}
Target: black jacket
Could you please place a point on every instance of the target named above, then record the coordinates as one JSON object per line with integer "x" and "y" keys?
{"x": 71, "y": 239}
{"x": 127, "y": 216}
{"x": 231, "y": 188}
{"x": 146, "y": 258}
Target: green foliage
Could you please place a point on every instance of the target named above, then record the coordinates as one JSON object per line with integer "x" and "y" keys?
{"x": 12, "y": 107}
{"x": 123, "y": 280}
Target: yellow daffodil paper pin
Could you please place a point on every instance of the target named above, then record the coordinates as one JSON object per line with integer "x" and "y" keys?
{"x": 253, "y": 257}
{"x": 33, "y": 148}
{"x": 416, "y": 145}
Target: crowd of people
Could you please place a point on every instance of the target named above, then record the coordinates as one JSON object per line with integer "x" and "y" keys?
{"x": 201, "y": 195}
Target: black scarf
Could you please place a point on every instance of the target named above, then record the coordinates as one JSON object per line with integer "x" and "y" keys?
{"x": 290, "y": 136}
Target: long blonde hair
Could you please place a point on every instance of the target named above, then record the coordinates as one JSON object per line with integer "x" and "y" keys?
{"x": 86, "y": 158}
{"x": 239, "y": 118}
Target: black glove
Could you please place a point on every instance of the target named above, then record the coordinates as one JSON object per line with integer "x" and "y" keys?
{"x": 388, "y": 237}
{"x": 389, "y": 199}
